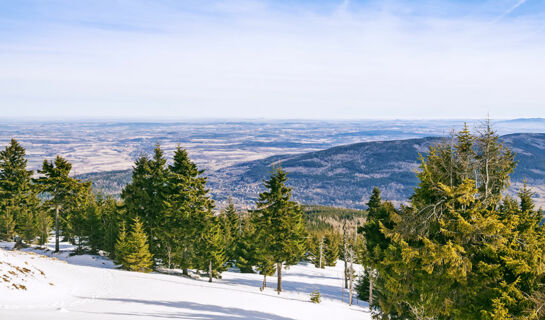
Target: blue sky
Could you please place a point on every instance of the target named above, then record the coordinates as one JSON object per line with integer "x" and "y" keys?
{"x": 168, "y": 59}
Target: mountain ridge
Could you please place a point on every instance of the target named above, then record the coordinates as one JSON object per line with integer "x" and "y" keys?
{"x": 345, "y": 175}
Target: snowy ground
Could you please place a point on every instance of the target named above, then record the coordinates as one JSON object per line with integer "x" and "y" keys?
{"x": 58, "y": 286}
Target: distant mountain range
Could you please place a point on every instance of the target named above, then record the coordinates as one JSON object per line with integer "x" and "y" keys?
{"x": 345, "y": 175}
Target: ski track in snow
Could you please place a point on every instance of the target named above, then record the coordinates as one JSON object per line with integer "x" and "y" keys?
{"x": 89, "y": 287}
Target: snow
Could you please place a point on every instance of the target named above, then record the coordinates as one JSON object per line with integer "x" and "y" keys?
{"x": 61, "y": 286}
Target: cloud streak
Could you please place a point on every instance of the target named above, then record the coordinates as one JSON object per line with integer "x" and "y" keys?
{"x": 510, "y": 10}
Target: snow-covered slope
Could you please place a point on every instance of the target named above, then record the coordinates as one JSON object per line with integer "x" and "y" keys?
{"x": 88, "y": 287}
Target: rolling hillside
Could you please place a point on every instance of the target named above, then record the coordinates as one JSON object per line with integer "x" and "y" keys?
{"x": 345, "y": 175}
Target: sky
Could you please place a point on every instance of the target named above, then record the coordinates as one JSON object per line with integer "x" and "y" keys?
{"x": 281, "y": 59}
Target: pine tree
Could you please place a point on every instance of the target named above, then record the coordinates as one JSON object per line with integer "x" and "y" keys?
{"x": 247, "y": 245}
{"x": 480, "y": 251}
{"x": 332, "y": 245}
{"x": 525, "y": 195}
{"x": 43, "y": 225}
{"x": 212, "y": 249}
{"x": 7, "y": 225}
{"x": 189, "y": 210}
{"x": 135, "y": 255}
{"x": 61, "y": 190}
{"x": 380, "y": 214}
{"x": 113, "y": 220}
{"x": 231, "y": 228}
{"x": 146, "y": 196}
{"x": 121, "y": 245}
{"x": 18, "y": 201}
{"x": 279, "y": 222}
{"x": 27, "y": 225}
{"x": 93, "y": 223}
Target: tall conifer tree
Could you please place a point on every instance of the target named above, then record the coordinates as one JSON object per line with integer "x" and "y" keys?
{"x": 61, "y": 189}
{"x": 279, "y": 222}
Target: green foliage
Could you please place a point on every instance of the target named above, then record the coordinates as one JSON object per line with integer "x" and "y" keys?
{"x": 315, "y": 296}
{"x": 132, "y": 250}
{"x": 247, "y": 246}
{"x": 188, "y": 225}
{"x": 43, "y": 226}
{"x": 279, "y": 224}
{"x": 18, "y": 201}
{"x": 64, "y": 195}
{"x": 212, "y": 248}
{"x": 460, "y": 250}
{"x": 231, "y": 229}
{"x": 7, "y": 225}
{"x": 145, "y": 197}
{"x": 332, "y": 243}
{"x": 319, "y": 219}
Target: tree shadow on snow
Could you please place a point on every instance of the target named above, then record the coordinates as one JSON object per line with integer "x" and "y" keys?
{"x": 326, "y": 291}
{"x": 194, "y": 311}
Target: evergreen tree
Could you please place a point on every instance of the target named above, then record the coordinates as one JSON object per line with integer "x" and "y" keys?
{"x": 279, "y": 222}
{"x": 246, "y": 248}
{"x": 121, "y": 245}
{"x": 7, "y": 224}
{"x": 380, "y": 215}
{"x": 479, "y": 251}
{"x": 134, "y": 255}
{"x": 112, "y": 220}
{"x": 94, "y": 226}
{"x": 525, "y": 195}
{"x": 189, "y": 210}
{"x": 145, "y": 197}
{"x": 332, "y": 244}
{"x": 61, "y": 190}
{"x": 18, "y": 201}
{"x": 28, "y": 230}
{"x": 212, "y": 249}
{"x": 43, "y": 225}
{"x": 231, "y": 228}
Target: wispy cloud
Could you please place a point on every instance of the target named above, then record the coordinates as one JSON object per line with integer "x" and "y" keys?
{"x": 257, "y": 58}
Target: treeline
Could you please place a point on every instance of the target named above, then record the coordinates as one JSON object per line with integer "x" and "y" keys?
{"x": 164, "y": 220}
{"x": 461, "y": 248}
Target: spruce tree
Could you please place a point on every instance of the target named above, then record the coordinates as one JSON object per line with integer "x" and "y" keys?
{"x": 18, "y": 199}
{"x": 212, "y": 249}
{"x": 146, "y": 197}
{"x": 112, "y": 219}
{"x": 189, "y": 210}
{"x": 231, "y": 228}
{"x": 332, "y": 244}
{"x": 279, "y": 222}
{"x": 480, "y": 251}
{"x": 134, "y": 255}
{"x": 7, "y": 224}
{"x": 43, "y": 225}
{"x": 61, "y": 190}
{"x": 247, "y": 245}
{"x": 121, "y": 245}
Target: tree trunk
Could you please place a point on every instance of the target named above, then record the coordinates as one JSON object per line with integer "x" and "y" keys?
{"x": 321, "y": 251}
{"x": 184, "y": 259}
{"x": 57, "y": 228}
{"x": 370, "y": 289}
{"x": 210, "y": 271}
{"x": 351, "y": 276}
{"x": 344, "y": 256}
{"x": 169, "y": 255}
{"x": 279, "y": 282}
{"x": 264, "y": 283}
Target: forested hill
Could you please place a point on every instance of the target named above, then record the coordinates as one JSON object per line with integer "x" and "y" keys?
{"x": 345, "y": 175}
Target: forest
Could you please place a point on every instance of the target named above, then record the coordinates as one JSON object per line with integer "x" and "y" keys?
{"x": 459, "y": 248}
